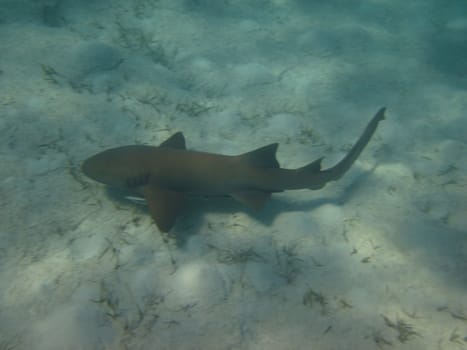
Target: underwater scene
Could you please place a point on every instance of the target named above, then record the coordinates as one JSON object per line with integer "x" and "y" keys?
{"x": 233, "y": 174}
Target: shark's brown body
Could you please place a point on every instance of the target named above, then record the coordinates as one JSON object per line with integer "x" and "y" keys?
{"x": 164, "y": 175}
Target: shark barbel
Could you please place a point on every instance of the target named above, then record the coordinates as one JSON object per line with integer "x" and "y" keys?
{"x": 164, "y": 175}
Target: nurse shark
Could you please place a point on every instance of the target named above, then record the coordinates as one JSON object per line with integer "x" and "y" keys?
{"x": 164, "y": 175}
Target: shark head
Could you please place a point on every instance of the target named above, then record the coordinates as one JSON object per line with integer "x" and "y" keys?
{"x": 127, "y": 166}
{"x": 113, "y": 167}
{"x": 101, "y": 168}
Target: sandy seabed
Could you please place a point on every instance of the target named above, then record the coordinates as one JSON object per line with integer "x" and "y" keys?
{"x": 376, "y": 260}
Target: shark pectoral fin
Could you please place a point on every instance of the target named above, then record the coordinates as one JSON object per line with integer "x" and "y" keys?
{"x": 164, "y": 206}
{"x": 252, "y": 198}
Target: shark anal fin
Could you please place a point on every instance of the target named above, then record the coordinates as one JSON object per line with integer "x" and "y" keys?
{"x": 317, "y": 186}
{"x": 252, "y": 198}
{"x": 177, "y": 141}
{"x": 264, "y": 157}
{"x": 164, "y": 206}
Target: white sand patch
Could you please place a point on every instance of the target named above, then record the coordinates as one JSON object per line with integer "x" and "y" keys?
{"x": 262, "y": 277}
{"x": 80, "y": 268}
{"x": 283, "y": 126}
{"x": 198, "y": 283}
{"x": 71, "y": 324}
{"x": 37, "y": 279}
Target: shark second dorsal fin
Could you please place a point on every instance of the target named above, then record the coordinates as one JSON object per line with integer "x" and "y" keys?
{"x": 264, "y": 157}
{"x": 313, "y": 167}
{"x": 177, "y": 141}
{"x": 311, "y": 170}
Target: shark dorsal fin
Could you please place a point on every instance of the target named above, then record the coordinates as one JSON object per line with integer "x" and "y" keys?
{"x": 264, "y": 157}
{"x": 177, "y": 141}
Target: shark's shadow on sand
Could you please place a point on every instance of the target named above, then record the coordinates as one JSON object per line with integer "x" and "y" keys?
{"x": 193, "y": 214}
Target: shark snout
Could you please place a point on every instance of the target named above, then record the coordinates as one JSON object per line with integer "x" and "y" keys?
{"x": 87, "y": 167}
{"x": 92, "y": 168}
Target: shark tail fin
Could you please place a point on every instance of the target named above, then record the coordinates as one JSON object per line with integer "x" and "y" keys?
{"x": 264, "y": 157}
